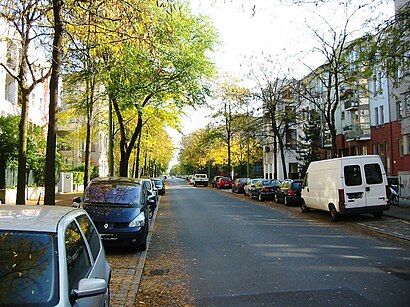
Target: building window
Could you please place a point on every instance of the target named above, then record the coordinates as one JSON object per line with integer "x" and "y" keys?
{"x": 33, "y": 100}
{"x": 293, "y": 171}
{"x": 374, "y": 149}
{"x": 407, "y": 138}
{"x": 381, "y": 152}
{"x": 291, "y": 140}
{"x": 401, "y": 147}
{"x": 376, "y": 116}
{"x": 364, "y": 150}
{"x": 381, "y": 115}
{"x": 399, "y": 110}
{"x": 407, "y": 103}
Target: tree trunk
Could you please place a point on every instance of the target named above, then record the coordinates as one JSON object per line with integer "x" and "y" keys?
{"x": 22, "y": 150}
{"x": 137, "y": 157}
{"x": 110, "y": 140}
{"x": 50, "y": 170}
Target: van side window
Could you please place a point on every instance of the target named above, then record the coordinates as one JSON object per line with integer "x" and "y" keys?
{"x": 352, "y": 175}
{"x": 373, "y": 173}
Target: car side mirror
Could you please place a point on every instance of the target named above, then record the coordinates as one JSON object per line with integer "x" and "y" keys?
{"x": 151, "y": 199}
{"x": 77, "y": 202}
{"x": 88, "y": 287}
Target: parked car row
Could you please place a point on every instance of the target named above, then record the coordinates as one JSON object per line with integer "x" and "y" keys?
{"x": 346, "y": 185}
{"x": 287, "y": 191}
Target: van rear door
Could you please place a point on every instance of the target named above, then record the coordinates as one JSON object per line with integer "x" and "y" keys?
{"x": 375, "y": 184}
{"x": 354, "y": 184}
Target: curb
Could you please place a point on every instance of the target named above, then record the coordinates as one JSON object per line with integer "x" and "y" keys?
{"x": 141, "y": 264}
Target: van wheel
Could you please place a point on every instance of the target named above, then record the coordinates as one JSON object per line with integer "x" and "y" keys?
{"x": 333, "y": 213}
{"x": 378, "y": 214}
{"x": 304, "y": 208}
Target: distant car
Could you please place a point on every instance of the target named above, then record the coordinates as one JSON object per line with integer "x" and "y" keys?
{"x": 214, "y": 180}
{"x": 238, "y": 185}
{"x": 200, "y": 179}
{"x": 152, "y": 194}
{"x": 224, "y": 183}
{"x": 250, "y": 185}
{"x": 159, "y": 184}
{"x": 289, "y": 192}
{"x": 51, "y": 255}
{"x": 119, "y": 207}
{"x": 265, "y": 189}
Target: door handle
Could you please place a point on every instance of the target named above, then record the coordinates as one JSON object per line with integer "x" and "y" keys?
{"x": 367, "y": 189}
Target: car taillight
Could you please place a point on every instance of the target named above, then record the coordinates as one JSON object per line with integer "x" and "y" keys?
{"x": 341, "y": 196}
{"x": 291, "y": 192}
{"x": 388, "y": 194}
{"x": 266, "y": 189}
{"x": 240, "y": 184}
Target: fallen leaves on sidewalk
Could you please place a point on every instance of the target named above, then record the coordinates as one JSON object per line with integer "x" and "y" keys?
{"x": 164, "y": 281}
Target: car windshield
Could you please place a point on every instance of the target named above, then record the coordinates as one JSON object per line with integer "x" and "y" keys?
{"x": 275, "y": 182}
{"x": 296, "y": 186}
{"x": 112, "y": 193}
{"x": 28, "y": 269}
{"x": 158, "y": 183}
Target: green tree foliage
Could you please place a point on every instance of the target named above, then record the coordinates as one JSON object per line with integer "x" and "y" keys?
{"x": 311, "y": 142}
{"x": 234, "y": 99}
{"x": 170, "y": 66}
{"x": 9, "y": 139}
{"x": 36, "y": 146}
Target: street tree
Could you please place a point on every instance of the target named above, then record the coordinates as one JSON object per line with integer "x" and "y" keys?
{"x": 233, "y": 101}
{"x": 26, "y": 20}
{"x": 323, "y": 85}
{"x": 168, "y": 66}
{"x": 279, "y": 103}
{"x": 310, "y": 144}
{"x": 387, "y": 48}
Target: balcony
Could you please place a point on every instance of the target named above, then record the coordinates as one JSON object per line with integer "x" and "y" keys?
{"x": 351, "y": 105}
{"x": 356, "y": 132}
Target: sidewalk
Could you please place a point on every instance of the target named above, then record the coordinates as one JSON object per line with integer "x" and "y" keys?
{"x": 401, "y": 212}
{"x": 62, "y": 199}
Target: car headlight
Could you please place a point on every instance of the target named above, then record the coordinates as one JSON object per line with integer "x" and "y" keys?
{"x": 139, "y": 221}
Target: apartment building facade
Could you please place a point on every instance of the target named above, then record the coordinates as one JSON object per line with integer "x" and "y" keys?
{"x": 372, "y": 117}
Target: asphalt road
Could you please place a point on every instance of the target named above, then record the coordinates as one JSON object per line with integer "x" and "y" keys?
{"x": 242, "y": 253}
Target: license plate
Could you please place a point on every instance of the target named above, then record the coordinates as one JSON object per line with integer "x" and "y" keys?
{"x": 108, "y": 237}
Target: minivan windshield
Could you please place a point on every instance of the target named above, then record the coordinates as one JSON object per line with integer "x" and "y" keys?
{"x": 109, "y": 193}
{"x": 28, "y": 269}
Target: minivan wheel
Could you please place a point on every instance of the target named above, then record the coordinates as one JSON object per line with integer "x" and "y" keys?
{"x": 333, "y": 213}
{"x": 304, "y": 208}
{"x": 378, "y": 214}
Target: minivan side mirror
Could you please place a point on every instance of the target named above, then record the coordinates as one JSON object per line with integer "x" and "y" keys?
{"x": 77, "y": 202}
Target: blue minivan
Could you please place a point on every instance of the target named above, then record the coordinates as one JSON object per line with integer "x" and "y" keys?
{"x": 119, "y": 207}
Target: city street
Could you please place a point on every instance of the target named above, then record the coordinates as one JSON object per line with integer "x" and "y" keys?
{"x": 241, "y": 252}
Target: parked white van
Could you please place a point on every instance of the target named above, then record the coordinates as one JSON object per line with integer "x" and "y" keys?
{"x": 356, "y": 184}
